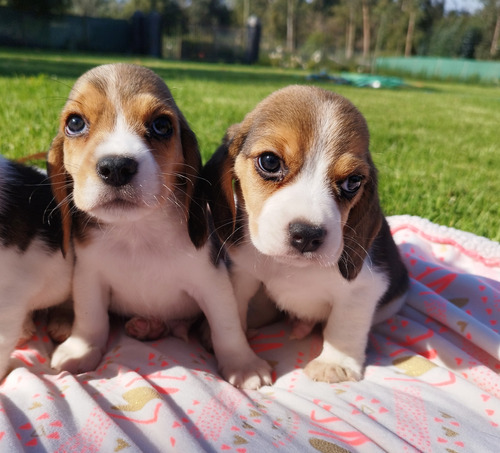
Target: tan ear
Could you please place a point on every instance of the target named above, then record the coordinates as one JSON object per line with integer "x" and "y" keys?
{"x": 218, "y": 175}
{"x": 362, "y": 226}
{"x": 191, "y": 183}
{"x": 60, "y": 182}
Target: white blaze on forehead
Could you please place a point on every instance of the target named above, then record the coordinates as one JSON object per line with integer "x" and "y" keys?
{"x": 121, "y": 140}
{"x": 327, "y": 127}
{"x": 308, "y": 198}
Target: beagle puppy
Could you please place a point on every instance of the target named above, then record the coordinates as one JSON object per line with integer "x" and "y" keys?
{"x": 124, "y": 168}
{"x": 34, "y": 274}
{"x": 293, "y": 194}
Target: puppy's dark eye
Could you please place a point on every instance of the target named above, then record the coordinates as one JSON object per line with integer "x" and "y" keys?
{"x": 162, "y": 126}
{"x": 270, "y": 166}
{"x": 75, "y": 125}
{"x": 351, "y": 185}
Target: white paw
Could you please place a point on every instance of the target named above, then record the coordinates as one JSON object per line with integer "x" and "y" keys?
{"x": 76, "y": 356}
{"x": 332, "y": 372}
{"x": 249, "y": 374}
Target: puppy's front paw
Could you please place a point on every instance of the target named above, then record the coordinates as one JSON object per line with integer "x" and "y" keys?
{"x": 331, "y": 372}
{"x": 249, "y": 374}
{"x": 76, "y": 356}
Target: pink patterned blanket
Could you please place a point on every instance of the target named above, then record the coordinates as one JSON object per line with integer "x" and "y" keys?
{"x": 431, "y": 383}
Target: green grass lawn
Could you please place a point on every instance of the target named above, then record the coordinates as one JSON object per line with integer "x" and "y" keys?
{"x": 436, "y": 145}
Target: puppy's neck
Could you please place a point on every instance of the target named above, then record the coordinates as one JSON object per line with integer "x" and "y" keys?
{"x": 165, "y": 223}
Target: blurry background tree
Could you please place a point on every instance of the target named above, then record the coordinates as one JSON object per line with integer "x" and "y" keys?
{"x": 318, "y": 32}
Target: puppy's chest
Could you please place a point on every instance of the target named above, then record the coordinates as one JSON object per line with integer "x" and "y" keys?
{"x": 308, "y": 295}
{"x": 143, "y": 271}
{"x": 306, "y": 291}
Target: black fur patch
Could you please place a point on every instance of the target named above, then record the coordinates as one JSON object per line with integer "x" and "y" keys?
{"x": 28, "y": 209}
{"x": 385, "y": 255}
{"x": 218, "y": 252}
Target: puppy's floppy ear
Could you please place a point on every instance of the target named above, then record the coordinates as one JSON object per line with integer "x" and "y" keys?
{"x": 362, "y": 226}
{"x": 218, "y": 177}
{"x": 60, "y": 182}
{"x": 190, "y": 180}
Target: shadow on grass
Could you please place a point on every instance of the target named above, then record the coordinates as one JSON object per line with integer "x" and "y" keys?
{"x": 71, "y": 67}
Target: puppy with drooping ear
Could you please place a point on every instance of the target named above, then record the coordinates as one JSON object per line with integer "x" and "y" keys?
{"x": 293, "y": 193}
{"x": 124, "y": 169}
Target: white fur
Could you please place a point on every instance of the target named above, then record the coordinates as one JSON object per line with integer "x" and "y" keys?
{"x": 29, "y": 280}
{"x": 142, "y": 262}
{"x": 309, "y": 285}
{"x": 150, "y": 268}
{"x": 315, "y": 293}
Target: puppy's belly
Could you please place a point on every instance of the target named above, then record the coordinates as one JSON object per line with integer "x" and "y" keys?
{"x": 149, "y": 299}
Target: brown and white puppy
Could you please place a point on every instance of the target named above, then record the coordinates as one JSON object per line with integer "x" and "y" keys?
{"x": 124, "y": 169}
{"x": 293, "y": 194}
{"x": 34, "y": 274}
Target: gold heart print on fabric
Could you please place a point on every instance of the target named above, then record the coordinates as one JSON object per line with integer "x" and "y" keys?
{"x": 413, "y": 365}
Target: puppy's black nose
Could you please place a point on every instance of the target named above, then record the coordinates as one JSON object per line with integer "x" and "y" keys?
{"x": 306, "y": 237}
{"x": 117, "y": 171}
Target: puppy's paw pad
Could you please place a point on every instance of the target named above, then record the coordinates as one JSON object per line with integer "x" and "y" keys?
{"x": 145, "y": 329}
{"x": 59, "y": 329}
{"x": 301, "y": 329}
{"x": 250, "y": 375}
{"x": 76, "y": 356}
{"x": 329, "y": 372}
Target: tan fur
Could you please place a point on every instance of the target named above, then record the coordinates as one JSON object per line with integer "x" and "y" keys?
{"x": 128, "y": 185}
{"x": 308, "y": 225}
{"x": 290, "y": 133}
{"x": 141, "y": 98}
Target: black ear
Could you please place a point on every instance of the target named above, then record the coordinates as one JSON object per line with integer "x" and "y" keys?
{"x": 362, "y": 226}
{"x": 197, "y": 217}
{"x": 217, "y": 175}
{"x": 195, "y": 203}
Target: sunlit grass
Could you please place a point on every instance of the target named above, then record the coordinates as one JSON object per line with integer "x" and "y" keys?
{"x": 436, "y": 145}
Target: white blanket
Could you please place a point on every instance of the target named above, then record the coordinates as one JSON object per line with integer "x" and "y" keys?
{"x": 431, "y": 381}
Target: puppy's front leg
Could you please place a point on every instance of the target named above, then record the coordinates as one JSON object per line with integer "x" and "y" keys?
{"x": 84, "y": 348}
{"x": 237, "y": 362}
{"x": 245, "y": 286}
{"x": 344, "y": 342}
